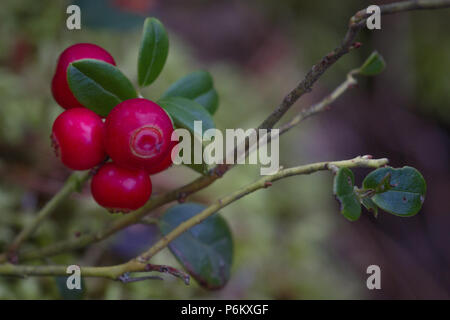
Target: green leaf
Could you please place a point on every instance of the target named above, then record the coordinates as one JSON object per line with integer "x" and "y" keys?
{"x": 384, "y": 184}
{"x": 343, "y": 188}
{"x": 406, "y": 193}
{"x": 205, "y": 250}
{"x": 183, "y": 113}
{"x": 197, "y": 86}
{"x": 373, "y": 65}
{"x": 153, "y": 51}
{"x": 98, "y": 85}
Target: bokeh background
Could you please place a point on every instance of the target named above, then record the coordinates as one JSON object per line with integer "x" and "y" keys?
{"x": 290, "y": 240}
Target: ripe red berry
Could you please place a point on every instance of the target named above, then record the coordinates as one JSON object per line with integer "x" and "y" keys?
{"x": 165, "y": 163}
{"x": 78, "y": 138}
{"x": 120, "y": 189}
{"x": 138, "y": 134}
{"x": 60, "y": 88}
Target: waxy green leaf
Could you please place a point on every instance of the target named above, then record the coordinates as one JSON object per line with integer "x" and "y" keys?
{"x": 98, "y": 85}
{"x": 373, "y": 65}
{"x": 153, "y": 51}
{"x": 343, "y": 188}
{"x": 205, "y": 250}
{"x": 406, "y": 192}
{"x": 197, "y": 86}
{"x": 183, "y": 113}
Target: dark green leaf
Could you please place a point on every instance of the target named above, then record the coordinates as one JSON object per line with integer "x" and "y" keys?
{"x": 373, "y": 65}
{"x": 385, "y": 184}
{"x": 183, "y": 113}
{"x": 197, "y": 86}
{"x": 98, "y": 85}
{"x": 205, "y": 250}
{"x": 406, "y": 193}
{"x": 343, "y": 189}
{"x": 153, "y": 51}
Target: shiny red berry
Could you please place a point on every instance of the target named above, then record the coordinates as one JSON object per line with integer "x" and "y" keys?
{"x": 60, "y": 88}
{"x": 138, "y": 134}
{"x": 119, "y": 189}
{"x": 78, "y": 136}
{"x": 165, "y": 163}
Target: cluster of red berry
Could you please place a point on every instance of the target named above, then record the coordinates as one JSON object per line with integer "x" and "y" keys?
{"x": 136, "y": 135}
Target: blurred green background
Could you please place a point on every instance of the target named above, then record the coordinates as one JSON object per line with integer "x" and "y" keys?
{"x": 290, "y": 240}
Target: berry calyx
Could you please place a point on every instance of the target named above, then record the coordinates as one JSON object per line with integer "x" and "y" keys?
{"x": 78, "y": 138}
{"x": 60, "y": 87}
{"x": 119, "y": 189}
{"x": 138, "y": 134}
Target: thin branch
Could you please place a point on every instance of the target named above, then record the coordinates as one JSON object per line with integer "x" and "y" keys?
{"x": 321, "y": 106}
{"x": 357, "y": 22}
{"x": 139, "y": 264}
{"x": 119, "y": 272}
{"x": 127, "y": 279}
{"x": 169, "y": 270}
{"x": 262, "y": 183}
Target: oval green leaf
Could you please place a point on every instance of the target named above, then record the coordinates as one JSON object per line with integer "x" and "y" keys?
{"x": 205, "y": 250}
{"x": 343, "y": 188}
{"x": 374, "y": 65}
{"x": 153, "y": 51}
{"x": 183, "y": 113}
{"x": 406, "y": 193}
{"x": 197, "y": 86}
{"x": 98, "y": 85}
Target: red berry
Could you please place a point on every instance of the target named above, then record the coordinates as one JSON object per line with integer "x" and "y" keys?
{"x": 165, "y": 163}
{"x": 120, "y": 189}
{"x": 78, "y": 138}
{"x": 60, "y": 88}
{"x": 138, "y": 134}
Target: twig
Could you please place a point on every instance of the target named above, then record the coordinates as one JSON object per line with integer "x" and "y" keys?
{"x": 170, "y": 270}
{"x": 125, "y": 278}
{"x": 139, "y": 264}
{"x": 260, "y": 184}
{"x": 321, "y": 106}
{"x": 357, "y": 22}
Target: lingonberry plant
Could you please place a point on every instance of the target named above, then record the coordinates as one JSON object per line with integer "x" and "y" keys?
{"x": 137, "y": 140}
